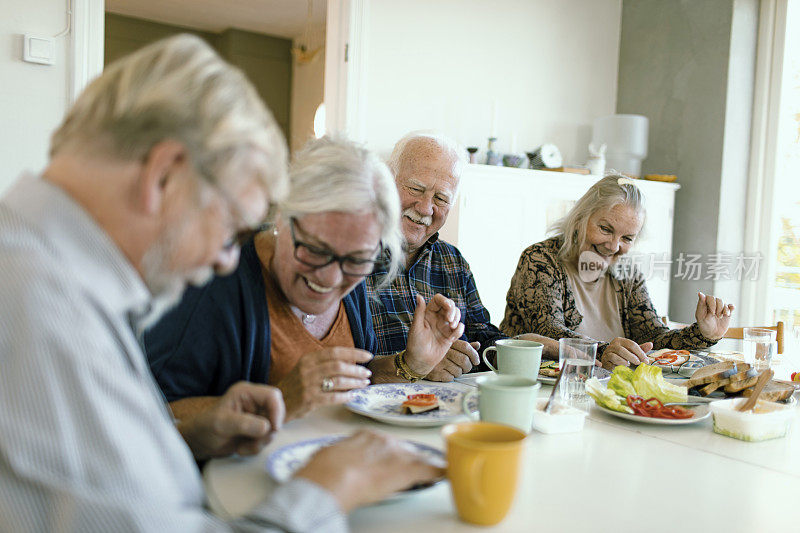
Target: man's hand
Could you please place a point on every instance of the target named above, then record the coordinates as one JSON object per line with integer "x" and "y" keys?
{"x": 304, "y": 388}
{"x": 434, "y": 328}
{"x": 367, "y": 467}
{"x": 713, "y": 316}
{"x": 459, "y": 359}
{"x": 241, "y": 421}
{"x": 625, "y": 352}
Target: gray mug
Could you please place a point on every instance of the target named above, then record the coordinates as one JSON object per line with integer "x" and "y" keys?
{"x": 516, "y": 357}
{"x": 509, "y": 400}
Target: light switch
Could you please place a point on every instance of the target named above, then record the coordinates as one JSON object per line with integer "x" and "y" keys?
{"x": 38, "y": 49}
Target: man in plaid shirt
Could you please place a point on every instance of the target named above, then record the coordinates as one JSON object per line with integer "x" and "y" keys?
{"x": 427, "y": 169}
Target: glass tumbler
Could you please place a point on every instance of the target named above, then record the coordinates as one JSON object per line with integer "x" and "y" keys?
{"x": 576, "y": 359}
{"x": 759, "y": 345}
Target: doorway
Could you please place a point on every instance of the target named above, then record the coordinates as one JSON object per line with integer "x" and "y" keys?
{"x": 279, "y": 44}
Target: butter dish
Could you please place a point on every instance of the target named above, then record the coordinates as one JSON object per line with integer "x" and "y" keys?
{"x": 768, "y": 420}
{"x": 561, "y": 418}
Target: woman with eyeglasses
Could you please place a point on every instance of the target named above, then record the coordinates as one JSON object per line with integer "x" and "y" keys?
{"x": 294, "y": 314}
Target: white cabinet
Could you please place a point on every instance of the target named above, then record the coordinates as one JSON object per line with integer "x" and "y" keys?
{"x": 501, "y": 211}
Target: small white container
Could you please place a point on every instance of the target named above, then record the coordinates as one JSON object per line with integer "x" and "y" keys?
{"x": 769, "y": 420}
{"x": 561, "y": 418}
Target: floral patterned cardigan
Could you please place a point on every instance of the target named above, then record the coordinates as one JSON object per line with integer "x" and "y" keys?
{"x": 540, "y": 300}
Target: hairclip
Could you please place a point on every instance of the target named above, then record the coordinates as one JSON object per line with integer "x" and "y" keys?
{"x": 625, "y": 181}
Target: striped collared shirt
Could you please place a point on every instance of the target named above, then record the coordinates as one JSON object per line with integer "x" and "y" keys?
{"x": 86, "y": 442}
{"x": 439, "y": 268}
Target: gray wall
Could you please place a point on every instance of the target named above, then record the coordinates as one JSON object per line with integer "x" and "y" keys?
{"x": 688, "y": 66}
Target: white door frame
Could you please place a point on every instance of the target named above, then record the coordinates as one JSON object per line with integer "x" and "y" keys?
{"x": 759, "y": 231}
{"x": 345, "y": 67}
{"x": 345, "y": 59}
{"x": 87, "y": 44}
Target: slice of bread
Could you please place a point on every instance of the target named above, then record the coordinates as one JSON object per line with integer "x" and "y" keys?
{"x": 739, "y": 377}
{"x": 716, "y": 372}
{"x": 739, "y": 386}
{"x": 773, "y": 392}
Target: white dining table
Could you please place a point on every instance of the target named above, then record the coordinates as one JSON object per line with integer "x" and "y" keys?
{"x": 614, "y": 475}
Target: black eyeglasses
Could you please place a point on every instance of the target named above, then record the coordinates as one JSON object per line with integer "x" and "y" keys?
{"x": 316, "y": 257}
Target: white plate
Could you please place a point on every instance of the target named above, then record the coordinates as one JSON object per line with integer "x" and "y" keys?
{"x": 285, "y": 461}
{"x": 701, "y": 412}
{"x": 383, "y": 402}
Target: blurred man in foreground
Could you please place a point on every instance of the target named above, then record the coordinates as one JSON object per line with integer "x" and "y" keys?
{"x": 162, "y": 167}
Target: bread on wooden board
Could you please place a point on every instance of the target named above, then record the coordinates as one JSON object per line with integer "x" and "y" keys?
{"x": 773, "y": 392}
{"x": 739, "y": 386}
{"x": 716, "y": 372}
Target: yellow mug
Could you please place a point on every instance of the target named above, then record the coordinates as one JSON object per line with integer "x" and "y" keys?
{"x": 483, "y": 462}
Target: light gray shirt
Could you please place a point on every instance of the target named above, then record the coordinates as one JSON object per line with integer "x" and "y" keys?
{"x": 86, "y": 442}
{"x": 597, "y": 303}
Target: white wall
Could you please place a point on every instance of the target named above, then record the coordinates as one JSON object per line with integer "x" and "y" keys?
{"x": 33, "y": 97}
{"x": 551, "y": 64}
{"x": 308, "y": 82}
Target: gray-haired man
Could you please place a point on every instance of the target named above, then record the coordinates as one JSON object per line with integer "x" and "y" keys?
{"x": 158, "y": 171}
{"x": 427, "y": 169}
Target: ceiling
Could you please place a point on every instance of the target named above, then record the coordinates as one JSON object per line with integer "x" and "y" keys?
{"x": 281, "y": 18}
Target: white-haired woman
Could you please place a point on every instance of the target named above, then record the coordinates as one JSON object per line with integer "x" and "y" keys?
{"x": 295, "y": 313}
{"x": 565, "y": 286}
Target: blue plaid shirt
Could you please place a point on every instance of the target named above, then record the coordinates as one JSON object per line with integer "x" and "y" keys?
{"x": 440, "y": 268}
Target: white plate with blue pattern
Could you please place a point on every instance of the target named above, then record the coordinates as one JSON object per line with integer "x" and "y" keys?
{"x": 285, "y": 461}
{"x": 383, "y": 402}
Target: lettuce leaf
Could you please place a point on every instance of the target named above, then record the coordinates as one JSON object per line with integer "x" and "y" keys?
{"x": 606, "y": 397}
{"x": 649, "y": 383}
{"x": 621, "y": 381}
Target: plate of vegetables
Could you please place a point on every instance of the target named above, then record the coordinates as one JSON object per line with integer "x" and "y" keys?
{"x": 652, "y": 411}
{"x": 640, "y": 395}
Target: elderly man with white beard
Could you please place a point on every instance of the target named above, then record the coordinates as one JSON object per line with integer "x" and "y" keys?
{"x": 427, "y": 169}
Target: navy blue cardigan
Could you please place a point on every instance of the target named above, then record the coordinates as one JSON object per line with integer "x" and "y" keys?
{"x": 219, "y": 334}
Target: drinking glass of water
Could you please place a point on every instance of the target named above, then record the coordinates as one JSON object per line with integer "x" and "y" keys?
{"x": 576, "y": 360}
{"x": 759, "y": 345}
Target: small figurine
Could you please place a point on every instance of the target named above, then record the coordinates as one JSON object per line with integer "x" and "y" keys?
{"x": 597, "y": 160}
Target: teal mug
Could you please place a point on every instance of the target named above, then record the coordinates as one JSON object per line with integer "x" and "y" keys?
{"x": 516, "y": 357}
{"x": 509, "y": 400}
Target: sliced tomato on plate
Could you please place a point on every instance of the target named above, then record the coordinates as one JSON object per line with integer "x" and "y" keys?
{"x": 653, "y": 408}
{"x": 671, "y": 357}
{"x": 421, "y": 400}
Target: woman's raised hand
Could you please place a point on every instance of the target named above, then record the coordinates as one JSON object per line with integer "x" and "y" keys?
{"x": 713, "y": 316}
